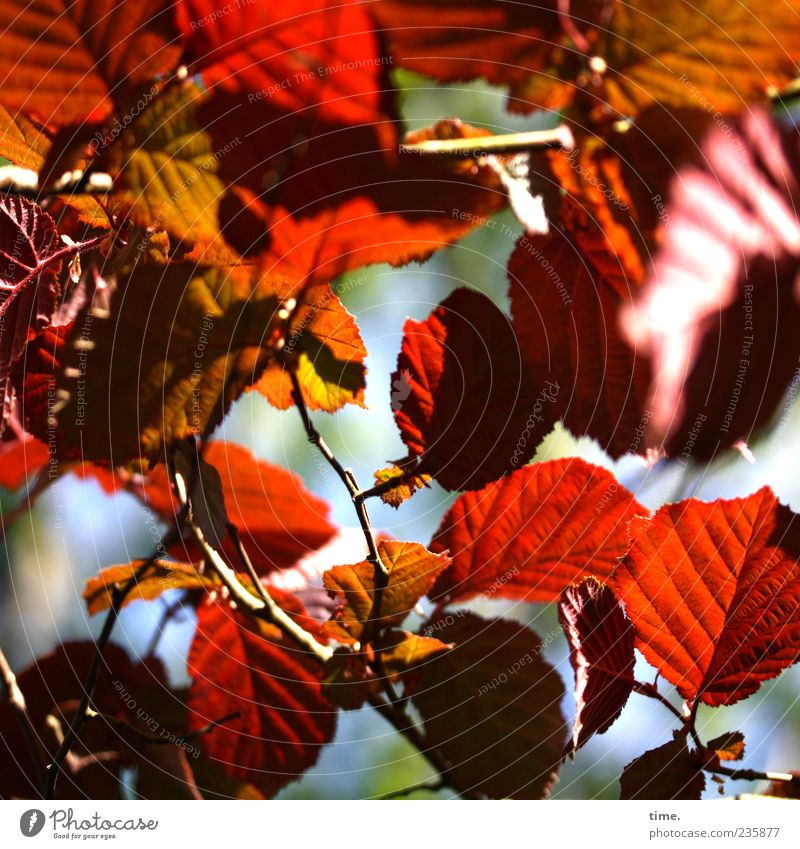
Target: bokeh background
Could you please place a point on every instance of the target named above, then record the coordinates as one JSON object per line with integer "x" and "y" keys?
{"x": 75, "y": 529}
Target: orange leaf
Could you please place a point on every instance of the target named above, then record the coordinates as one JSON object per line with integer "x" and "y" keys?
{"x": 328, "y": 353}
{"x": 162, "y": 576}
{"x": 712, "y": 591}
{"x": 530, "y": 535}
{"x": 411, "y": 571}
{"x": 728, "y": 747}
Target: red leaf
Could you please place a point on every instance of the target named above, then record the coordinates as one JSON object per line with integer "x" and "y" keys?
{"x": 66, "y": 60}
{"x": 236, "y": 665}
{"x": 315, "y": 60}
{"x": 21, "y": 459}
{"x": 28, "y": 283}
{"x": 600, "y": 639}
{"x": 533, "y": 533}
{"x": 567, "y": 290}
{"x": 712, "y": 590}
{"x": 667, "y": 772}
{"x": 491, "y": 705}
{"x": 721, "y": 365}
{"x": 461, "y": 397}
{"x": 319, "y": 186}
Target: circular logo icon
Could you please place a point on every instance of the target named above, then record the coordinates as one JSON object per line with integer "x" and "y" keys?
{"x": 31, "y": 822}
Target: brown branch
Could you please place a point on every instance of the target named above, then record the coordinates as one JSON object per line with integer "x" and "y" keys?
{"x": 392, "y": 708}
{"x": 261, "y": 606}
{"x": 17, "y": 701}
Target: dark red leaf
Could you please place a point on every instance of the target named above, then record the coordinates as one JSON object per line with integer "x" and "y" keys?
{"x": 567, "y": 290}
{"x": 667, "y": 772}
{"x": 600, "y": 639}
{"x": 53, "y": 685}
{"x": 719, "y": 310}
{"x": 491, "y": 705}
{"x": 28, "y": 284}
{"x": 461, "y": 397}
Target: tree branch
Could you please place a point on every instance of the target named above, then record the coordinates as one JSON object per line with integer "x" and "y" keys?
{"x": 262, "y": 606}
{"x": 392, "y": 709}
{"x": 560, "y": 136}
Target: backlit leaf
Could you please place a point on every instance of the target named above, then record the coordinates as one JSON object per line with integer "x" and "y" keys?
{"x": 567, "y": 292}
{"x": 65, "y": 61}
{"x": 163, "y": 576}
{"x": 328, "y": 353}
{"x": 166, "y": 169}
{"x": 728, "y": 747}
{"x": 731, "y": 251}
{"x": 238, "y": 666}
{"x": 20, "y": 460}
{"x": 530, "y": 535}
{"x": 278, "y": 519}
{"x": 712, "y": 591}
{"x": 176, "y": 351}
{"x": 29, "y": 287}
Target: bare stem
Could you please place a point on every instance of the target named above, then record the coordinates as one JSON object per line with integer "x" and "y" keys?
{"x": 560, "y": 136}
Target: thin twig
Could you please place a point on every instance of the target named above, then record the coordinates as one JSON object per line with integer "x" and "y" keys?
{"x": 150, "y": 739}
{"x": 430, "y": 786}
{"x": 233, "y": 531}
{"x": 17, "y": 701}
{"x": 652, "y": 692}
{"x": 380, "y": 571}
{"x": 754, "y": 775}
